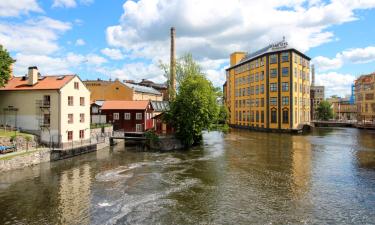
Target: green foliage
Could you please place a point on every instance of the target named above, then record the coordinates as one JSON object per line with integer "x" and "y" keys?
{"x": 13, "y": 138}
{"x": 195, "y": 107}
{"x": 5, "y": 63}
{"x": 223, "y": 115}
{"x": 324, "y": 111}
{"x": 150, "y": 134}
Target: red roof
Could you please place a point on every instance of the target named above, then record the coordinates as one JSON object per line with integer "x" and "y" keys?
{"x": 44, "y": 83}
{"x": 125, "y": 105}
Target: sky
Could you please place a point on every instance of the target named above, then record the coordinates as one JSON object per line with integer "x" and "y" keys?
{"x": 127, "y": 39}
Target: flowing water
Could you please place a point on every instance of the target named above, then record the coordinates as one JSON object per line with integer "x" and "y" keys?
{"x": 243, "y": 177}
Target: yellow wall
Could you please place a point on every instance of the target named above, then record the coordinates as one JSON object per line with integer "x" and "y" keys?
{"x": 236, "y": 57}
{"x": 300, "y": 113}
{"x": 108, "y": 90}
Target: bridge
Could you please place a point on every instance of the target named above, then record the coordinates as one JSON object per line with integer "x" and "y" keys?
{"x": 333, "y": 123}
{"x": 127, "y": 136}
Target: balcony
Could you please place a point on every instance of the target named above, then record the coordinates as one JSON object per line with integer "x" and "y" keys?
{"x": 45, "y": 104}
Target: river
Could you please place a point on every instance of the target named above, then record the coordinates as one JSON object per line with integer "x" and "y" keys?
{"x": 243, "y": 177}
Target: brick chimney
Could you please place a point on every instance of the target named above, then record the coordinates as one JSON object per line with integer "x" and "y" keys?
{"x": 32, "y": 76}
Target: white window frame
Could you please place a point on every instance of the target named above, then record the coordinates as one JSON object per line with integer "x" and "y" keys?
{"x": 138, "y": 127}
{"x": 116, "y": 116}
{"x": 127, "y": 116}
{"x": 138, "y": 116}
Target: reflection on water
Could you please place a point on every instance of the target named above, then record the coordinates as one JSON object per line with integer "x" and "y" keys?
{"x": 242, "y": 177}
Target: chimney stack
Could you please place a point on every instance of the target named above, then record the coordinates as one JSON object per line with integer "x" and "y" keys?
{"x": 32, "y": 75}
{"x": 312, "y": 75}
{"x": 172, "y": 79}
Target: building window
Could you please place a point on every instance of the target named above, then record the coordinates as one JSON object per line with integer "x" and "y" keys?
{"x": 273, "y": 87}
{"x": 285, "y": 71}
{"x": 70, "y": 118}
{"x": 70, "y": 100}
{"x": 273, "y": 59}
{"x": 273, "y": 101}
{"x": 46, "y": 119}
{"x": 261, "y": 77}
{"x": 46, "y": 100}
{"x": 82, "y": 101}
{"x": 295, "y": 86}
{"x": 138, "y": 116}
{"x": 285, "y": 57}
{"x": 262, "y": 88}
{"x": 116, "y": 116}
{"x": 81, "y": 134}
{"x": 273, "y": 73}
{"x": 76, "y": 85}
{"x": 257, "y": 116}
{"x": 127, "y": 116}
{"x": 285, "y": 116}
{"x": 285, "y": 86}
{"x": 81, "y": 117}
{"x": 285, "y": 100}
{"x": 262, "y": 102}
{"x": 295, "y": 72}
{"x": 273, "y": 116}
{"x": 70, "y": 135}
{"x": 262, "y": 116}
{"x": 257, "y": 89}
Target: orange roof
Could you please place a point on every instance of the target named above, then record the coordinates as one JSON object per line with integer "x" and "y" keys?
{"x": 125, "y": 105}
{"x": 44, "y": 83}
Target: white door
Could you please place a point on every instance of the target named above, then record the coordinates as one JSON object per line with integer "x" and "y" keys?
{"x": 138, "y": 128}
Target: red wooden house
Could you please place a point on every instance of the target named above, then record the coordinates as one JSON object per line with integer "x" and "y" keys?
{"x": 129, "y": 116}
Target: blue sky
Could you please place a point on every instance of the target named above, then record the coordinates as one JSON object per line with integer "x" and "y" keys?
{"x": 127, "y": 39}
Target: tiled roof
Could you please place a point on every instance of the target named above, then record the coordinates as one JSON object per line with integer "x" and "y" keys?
{"x": 160, "y": 106}
{"x": 44, "y": 83}
{"x": 143, "y": 89}
{"x": 129, "y": 105}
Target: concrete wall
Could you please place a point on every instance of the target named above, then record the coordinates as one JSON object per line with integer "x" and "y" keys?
{"x": 98, "y": 119}
{"x": 145, "y": 96}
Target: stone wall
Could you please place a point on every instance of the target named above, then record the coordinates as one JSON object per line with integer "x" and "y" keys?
{"x": 20, "y": 142}
{"x": 28, "y": 159}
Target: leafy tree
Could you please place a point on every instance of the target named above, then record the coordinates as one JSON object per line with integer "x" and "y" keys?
{"x": 194, "y": 108}
{"x": 223, "y": 115}
{"x": 324, "y": 111}
{"x": 5, "y": 63}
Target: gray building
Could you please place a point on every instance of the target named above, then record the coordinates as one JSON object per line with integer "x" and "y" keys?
{"x": 316, "y": 95}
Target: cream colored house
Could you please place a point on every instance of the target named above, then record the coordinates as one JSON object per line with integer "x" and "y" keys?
{"x": 56, "y": 108}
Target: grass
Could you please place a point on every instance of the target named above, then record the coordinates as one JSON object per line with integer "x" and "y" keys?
{"x": 9, "y": 134}
{"x": 98, "y": 125}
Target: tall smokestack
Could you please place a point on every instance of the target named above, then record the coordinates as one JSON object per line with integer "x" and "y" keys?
{"x": 312, "y": 75}
{"x": 172, "y": 79}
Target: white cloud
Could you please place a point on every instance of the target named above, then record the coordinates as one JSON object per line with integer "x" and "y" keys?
{"x": 11, "y": 8}
{"x": 355, "y": 55}
{"x": 112, "y": 53}
{"x": 212, "y": 29}
{"x": 57, "y": 65}
{"x": 335, "y": 83}
{"x": 323, "y": 63}
{"x": 34, "y": 36}
{"x": 70, "y": 3}
{"x": 80, "y": 42}
{"x": 359, "y": 55}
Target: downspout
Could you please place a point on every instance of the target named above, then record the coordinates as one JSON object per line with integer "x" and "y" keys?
{"x": 59, "y": 136}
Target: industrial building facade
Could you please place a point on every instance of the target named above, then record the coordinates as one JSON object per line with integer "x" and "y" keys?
{"x": 365, "y": 98}
{"x": 268, "y": 89}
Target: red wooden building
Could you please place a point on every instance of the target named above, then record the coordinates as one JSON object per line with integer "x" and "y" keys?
{"x": 129, "y": 116}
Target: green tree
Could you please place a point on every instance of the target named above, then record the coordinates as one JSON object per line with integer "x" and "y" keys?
{"x": 324, "y": 111}
{"x": 5, "y": 63}
{"x": 195, "y": 107}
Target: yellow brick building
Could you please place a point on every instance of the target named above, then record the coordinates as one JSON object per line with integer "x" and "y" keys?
{"x": 269, "y": 89}
{"x": 365, "y": 98}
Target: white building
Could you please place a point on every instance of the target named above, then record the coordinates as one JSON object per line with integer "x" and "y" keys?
{"x": 56, "y": 108}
